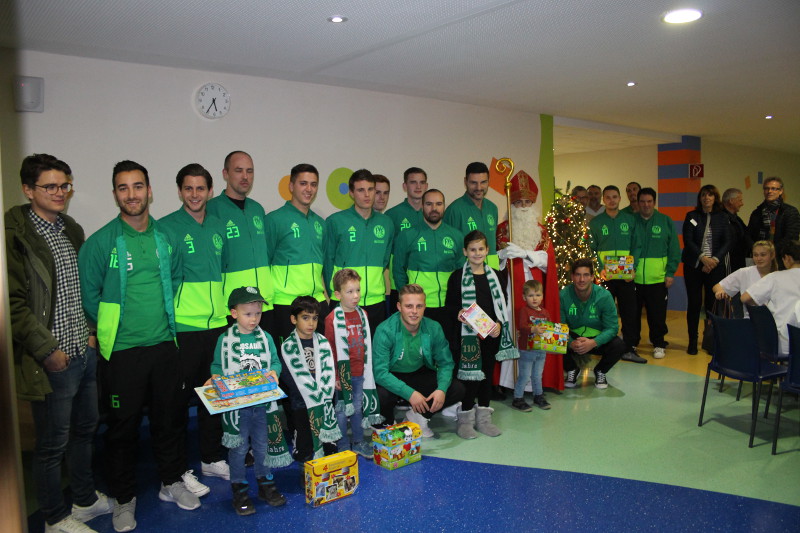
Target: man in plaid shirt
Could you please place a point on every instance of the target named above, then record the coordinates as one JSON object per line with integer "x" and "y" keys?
{"x": 54, "y": 352}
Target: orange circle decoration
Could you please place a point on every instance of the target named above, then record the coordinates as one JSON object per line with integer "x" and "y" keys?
{"x": 283, "y": 188}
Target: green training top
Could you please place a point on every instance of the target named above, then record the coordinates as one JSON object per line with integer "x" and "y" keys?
{"x": 612, "y": 236}
{"x": 659, "y": 249}
{"x": 404, "y": 217}
{"x": 595, "y": 318}
{"x": 465, "y": 216}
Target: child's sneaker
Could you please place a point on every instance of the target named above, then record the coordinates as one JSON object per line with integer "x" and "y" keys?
{"x": 364, "y": 449}
{"x": 600, "y": 380}
{"x": 268, "y": 492}
{"x": 572, "y": 378}
{"x": 520, "y": 405}
{"x": 241, "y": 500}
{"x": 541, "y": 402}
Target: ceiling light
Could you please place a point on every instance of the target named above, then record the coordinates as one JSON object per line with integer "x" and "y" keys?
{"x": 631, "y": 83}
{"x": 682, "y": 16}
{"x": 337, "y": 19}
{"x": 768, "y": 117}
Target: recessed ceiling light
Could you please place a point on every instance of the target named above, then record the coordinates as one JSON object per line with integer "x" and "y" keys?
{"x": 768, "y": 117}
{"x": 337, "y": 18}
{"x": 631, "y": 84}
{"x": 682, "y": 16}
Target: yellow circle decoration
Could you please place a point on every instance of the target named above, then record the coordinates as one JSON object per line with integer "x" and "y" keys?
{"x": 283, "y": 188}
{"x": 337, "y": 188}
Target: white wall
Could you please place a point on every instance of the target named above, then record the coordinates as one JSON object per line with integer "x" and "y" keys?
{"x": 608, "y": 167}
{"x": 99, "y": 112}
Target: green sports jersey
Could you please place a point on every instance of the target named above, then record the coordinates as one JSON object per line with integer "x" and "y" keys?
{"x": 351, "y": 241}
{"x": 199, "y": 303}
{"x": 659, "y": 249}
{"x": 245, "y": 262}
{"x": 613, "y": 236}
{"x": 465, "y": 216}
{"x": 595, "y": 318}
{"x": 295, "y": 244}
{"x": 428, "y": 256}
{"x": 404, "y": 217}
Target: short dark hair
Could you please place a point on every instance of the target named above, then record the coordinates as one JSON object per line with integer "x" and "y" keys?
{"x": 476, "y": 168}
{"x": 128, "y": 166}
{"x": 380, "y": 178}
{"x": 634, "y": 183}
{"x": 304, "y": 304}
{"x": 413, "y": 170}
{"x": 299, "y": 169}
{"x": 593, "y": 187}
{"x": 194, "y": 169}
{"x": 230, "y": 155}
{"x": 429, "y": 191}
{"x": 611, "y": 188}
{"x": 790, "y": 248}
{"x": 33, "y": 166}
{"x": 361, "y": 174}
{"x": 648, "y": 190}
{"x": 583, "y": 262}
{"x": 576, "y": 189}
{"x": 475, "y": 235}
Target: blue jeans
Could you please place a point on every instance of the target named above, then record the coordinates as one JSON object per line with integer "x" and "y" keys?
{"x": 530, "y": 367}
{"x": 343, "y": 444}
{"x": 65, "y": 423}
{"x": 253, "y": 429}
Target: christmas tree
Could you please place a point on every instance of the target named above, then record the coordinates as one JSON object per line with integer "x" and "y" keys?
{"x": 566, "y": 225}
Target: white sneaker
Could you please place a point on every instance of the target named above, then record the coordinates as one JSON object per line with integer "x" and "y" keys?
{"x": 216, "y": 469}
{"x": 193, "y": 485}
{"x": 659, "y": 353}
{"x": 124, "y": 516}
{"x": 178, "y": 494}
{"x": 421, "y": 421}
{"x": 68, "y": 525}
{"x": 103, "y": 505}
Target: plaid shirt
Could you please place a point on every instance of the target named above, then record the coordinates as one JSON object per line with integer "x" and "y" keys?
{"x": 69, "y": 322}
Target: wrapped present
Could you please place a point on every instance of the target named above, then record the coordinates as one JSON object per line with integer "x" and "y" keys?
{"x": 619, "y": 267}
{"x": 244, "y": 384}
{"x": 554, "y": 339}
{"x": 331, "y": 477}
{"x": 397, "y": 445}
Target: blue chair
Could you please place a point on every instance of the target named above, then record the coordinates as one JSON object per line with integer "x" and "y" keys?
{"x": 767, "y": 334}
{"x": 736, "y": 355}
{"x": 792, "y": 381}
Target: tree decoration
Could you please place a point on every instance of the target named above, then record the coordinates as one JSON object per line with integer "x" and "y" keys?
{"x": 566, "y": 225}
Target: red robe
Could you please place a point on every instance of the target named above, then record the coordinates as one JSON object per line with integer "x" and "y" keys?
{"x": 553, "y": 375}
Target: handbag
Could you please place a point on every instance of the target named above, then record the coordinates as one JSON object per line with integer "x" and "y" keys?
{"x": 723, "y": 309}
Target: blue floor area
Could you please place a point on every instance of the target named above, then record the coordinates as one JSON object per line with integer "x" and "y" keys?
{"x": 450, "y": 495}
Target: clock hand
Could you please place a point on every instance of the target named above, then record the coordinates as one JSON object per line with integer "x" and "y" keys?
{"x": 213, "y": 103}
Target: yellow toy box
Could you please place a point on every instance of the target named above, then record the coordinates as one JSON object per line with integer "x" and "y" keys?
{"x": 397, "y": 445}
{"x": 619, "y": 267}
{"x": 331, "y": 478}
{"x": 554, "y": 339}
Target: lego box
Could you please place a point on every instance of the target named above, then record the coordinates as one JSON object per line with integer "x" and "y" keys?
{"x": 396, "y": 446}
{"x": 331, "y": 478}
{"x": 554, "y": 339}
{"x": 244, "y": 384}
{"x": 619, "y": 267}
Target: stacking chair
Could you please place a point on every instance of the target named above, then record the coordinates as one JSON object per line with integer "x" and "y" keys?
{"x": 736, "y": 355}
{"x": 767, "y": 334}
{"x": 792, "y": 381}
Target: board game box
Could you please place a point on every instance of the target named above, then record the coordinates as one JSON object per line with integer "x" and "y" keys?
{"x": 215, "y": 405}
{"x": 619, "y": 267}
{"x": 244, "y": 384}
{"x": 554, "y": 339}
{"x": 397, "y": 446}
{"x": 331, "y": 477}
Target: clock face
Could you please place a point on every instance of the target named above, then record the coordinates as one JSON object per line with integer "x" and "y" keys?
{"x": 213, "y": 100}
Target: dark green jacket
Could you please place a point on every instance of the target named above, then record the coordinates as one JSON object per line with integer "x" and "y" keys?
{"x": 659, "y": 251}
{"x": 32, "y": 298}
{"x": 596, "y": 318}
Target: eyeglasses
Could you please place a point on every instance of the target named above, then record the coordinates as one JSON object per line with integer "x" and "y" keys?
{"x": 52, "y": 188}
{"x": 773, "y": 189}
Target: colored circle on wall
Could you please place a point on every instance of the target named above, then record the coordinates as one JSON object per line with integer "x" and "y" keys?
{"x": 283, "y": 188}
{"x": 337, "y": 188}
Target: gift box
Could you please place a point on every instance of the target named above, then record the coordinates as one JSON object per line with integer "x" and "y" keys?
{"x": 331, "y": 477}
{"x": 396, "y": 446}
{"x": 554, "y": 339}
{"x": 619, "y": 267}
{"x": 244, "y": 384}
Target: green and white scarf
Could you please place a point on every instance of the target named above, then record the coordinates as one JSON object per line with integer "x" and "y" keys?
{"x": 277, "y": 451}
{"x": 469, "y": 368}
{"x": 316, "y": 389}
{"x": 370, "y": 407}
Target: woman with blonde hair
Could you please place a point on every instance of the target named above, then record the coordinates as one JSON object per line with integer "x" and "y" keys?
{"x": 739, "y": 281}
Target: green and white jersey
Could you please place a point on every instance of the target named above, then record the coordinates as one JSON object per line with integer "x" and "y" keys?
{"x": 465, "y": 216}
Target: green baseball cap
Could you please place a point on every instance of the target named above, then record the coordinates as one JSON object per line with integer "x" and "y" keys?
{"x": 244, "y": 295}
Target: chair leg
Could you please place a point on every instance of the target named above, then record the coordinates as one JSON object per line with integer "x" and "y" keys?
{"x": 777, "y": 423}
{"x": 754, "y": 411}
{"x": 703, "y": 402}
{"x": 721, "y": 381}
{"x": 739, "y": 392}
{"x": 769, "y": 397}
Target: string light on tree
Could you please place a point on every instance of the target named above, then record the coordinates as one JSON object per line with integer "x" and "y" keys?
{"x": 566, "y": 225}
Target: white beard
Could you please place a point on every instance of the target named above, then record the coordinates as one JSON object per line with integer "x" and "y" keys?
{"x": 525, "y": 225}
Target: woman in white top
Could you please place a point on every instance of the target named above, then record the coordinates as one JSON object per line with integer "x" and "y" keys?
{"x": 740, "y": 280}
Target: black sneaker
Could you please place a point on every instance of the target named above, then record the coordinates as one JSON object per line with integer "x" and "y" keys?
{"x": 268, "y": 492}
{"x": 520, "y": 405}
{"x": 241, "y": 500}
{"x": 600, "y": 380}
{"x": 572, "y": 378}
{"x": 541, "y": 402}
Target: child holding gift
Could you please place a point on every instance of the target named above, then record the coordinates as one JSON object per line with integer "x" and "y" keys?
{"x": 531, "y": 361}
{"x": 245, "y": 347}
{"x": 475, "y": 358}
{"x": 347, "y": 331}
{"x": 309, "y": 381}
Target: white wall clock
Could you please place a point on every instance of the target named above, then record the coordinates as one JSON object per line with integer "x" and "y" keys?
{"x": 212, "y": 100}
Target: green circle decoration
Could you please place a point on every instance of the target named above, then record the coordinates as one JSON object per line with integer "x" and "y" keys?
{"x": 337, "y": 188}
